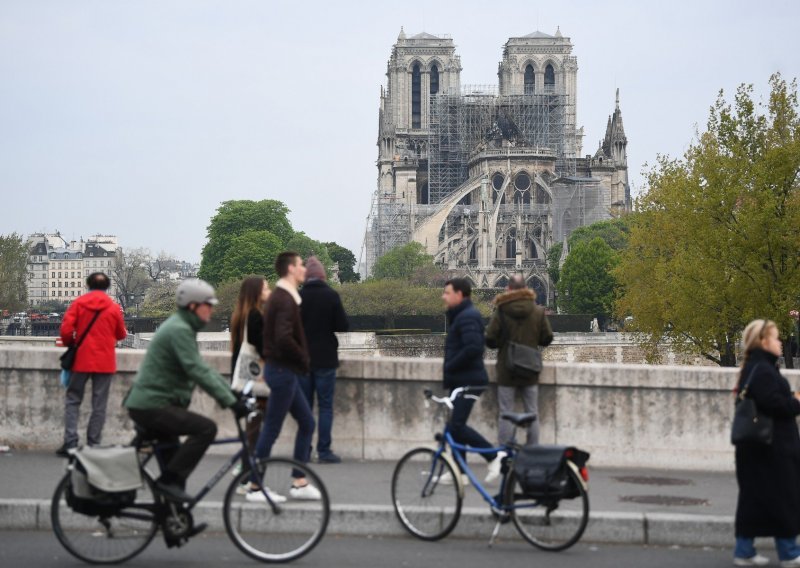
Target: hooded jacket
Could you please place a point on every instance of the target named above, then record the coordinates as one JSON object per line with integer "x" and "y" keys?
{"x": 522, "y": 322}
{"x": 96, "y": 353}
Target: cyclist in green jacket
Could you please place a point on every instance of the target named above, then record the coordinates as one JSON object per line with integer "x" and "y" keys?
{"x": 163, "y": 387}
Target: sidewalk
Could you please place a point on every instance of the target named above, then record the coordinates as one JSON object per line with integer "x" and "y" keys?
{"x": 627, "y": 506}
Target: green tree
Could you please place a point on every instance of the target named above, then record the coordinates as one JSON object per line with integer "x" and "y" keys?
{"x": 305, "y": 246}
{"x": 233, "y": 219}
{"x": 553, "y": 259}
{"x": 347, "y": 262}
{"x": 253, "y": 252}
{"x": 13, "y": 272}
{"x": 390, "y": 298}
{"x": 401, "y": 262}
{"x": 586, "y": 285}
{"x": 714, "y": 242}
{"x": 613, "y": 231}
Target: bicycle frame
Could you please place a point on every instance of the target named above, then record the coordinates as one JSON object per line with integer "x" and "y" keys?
{"x": 225, "y": 468}
{"x": 456, "y": 449}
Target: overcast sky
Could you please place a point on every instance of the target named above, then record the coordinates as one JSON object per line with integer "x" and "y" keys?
{"x": 138, "y": 118}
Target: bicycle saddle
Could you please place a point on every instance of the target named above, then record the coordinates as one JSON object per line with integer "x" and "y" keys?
{"x": 521, "y": 419}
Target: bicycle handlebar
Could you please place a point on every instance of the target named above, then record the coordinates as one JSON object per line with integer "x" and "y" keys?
{"x": 457, "y": 392}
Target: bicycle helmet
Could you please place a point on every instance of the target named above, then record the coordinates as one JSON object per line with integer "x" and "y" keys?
{"x": 197, "y": 291}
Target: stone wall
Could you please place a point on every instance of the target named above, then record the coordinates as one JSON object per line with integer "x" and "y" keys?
{"x": 626, "y": 415}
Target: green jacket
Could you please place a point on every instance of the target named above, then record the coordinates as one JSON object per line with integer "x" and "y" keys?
{"x": 172, "y": 368}
{"x": 525, "y": 323}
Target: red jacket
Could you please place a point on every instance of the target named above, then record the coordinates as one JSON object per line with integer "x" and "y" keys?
{"x": 96, "y": 353}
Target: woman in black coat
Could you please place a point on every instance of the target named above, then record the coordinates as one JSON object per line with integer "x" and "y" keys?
{"x": 768, "y": 475}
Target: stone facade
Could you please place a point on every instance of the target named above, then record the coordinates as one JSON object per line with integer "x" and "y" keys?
{"x": 57, "y": 268}
{"x": 488, "y": 178}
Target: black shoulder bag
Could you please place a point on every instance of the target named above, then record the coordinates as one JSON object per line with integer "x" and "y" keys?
{"x": 522, "y": 361}
{"x": 750, "y": 426}
{"x": 68, "y": 357}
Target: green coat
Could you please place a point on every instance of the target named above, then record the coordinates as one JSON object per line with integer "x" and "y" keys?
{"x": 172, "y": 368}
{"x": 525, "y": 323}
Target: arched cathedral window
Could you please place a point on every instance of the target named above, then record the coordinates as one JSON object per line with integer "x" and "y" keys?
{"x": 529, "y": 80}
{"x": 549, "y": 78}
{"x": 416, "y": 97}
{"x": 434, "y": 80}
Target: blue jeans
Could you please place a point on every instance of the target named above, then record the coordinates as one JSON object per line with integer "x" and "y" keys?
{"x": 786, "y": 547}
{"x": 322, "y": 382}
{"x": 284, "y": 399}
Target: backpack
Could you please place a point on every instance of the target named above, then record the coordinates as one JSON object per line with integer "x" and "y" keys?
{"x": 103, "y": 480}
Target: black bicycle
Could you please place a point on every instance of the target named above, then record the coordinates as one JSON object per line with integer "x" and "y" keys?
{"x": 271, "y": 528}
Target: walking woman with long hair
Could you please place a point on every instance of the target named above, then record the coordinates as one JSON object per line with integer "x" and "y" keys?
{"x": 768, "y": 474}
{"x": 253, "y": 294}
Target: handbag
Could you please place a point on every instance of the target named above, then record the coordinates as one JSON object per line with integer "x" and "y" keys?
{"x": 249, "y": 368}
{"x": 522, "y": 360}
{"x": 68, "y": 357}
{"x": 750, "y": 426}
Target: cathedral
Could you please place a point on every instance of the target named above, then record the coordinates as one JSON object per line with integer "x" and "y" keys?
{"x": 488, "y": 177}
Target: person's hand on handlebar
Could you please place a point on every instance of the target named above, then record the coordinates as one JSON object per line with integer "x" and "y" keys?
{"x": 240, "y": 408}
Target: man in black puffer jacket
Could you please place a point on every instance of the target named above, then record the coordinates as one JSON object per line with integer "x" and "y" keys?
{"x": 463, "y": 367}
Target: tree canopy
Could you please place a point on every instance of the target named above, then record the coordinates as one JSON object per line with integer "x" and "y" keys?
{"x": 586, "y": 285}
{"x": 13, "y": 272}
{"x": 233, "y": 219}
{"x": 347, "y": 262}
{"x": 614, "y": 232}
{"x": 402, "y": 262}
{"x": 714, "y": 243}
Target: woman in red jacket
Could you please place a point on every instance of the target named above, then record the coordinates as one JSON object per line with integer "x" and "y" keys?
{"x": 96, "y": 358}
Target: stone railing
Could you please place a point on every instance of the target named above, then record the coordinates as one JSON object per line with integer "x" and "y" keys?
{"x": 626, "y": 415}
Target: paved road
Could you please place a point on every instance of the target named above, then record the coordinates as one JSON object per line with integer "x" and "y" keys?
{"x": 39, "y": 549}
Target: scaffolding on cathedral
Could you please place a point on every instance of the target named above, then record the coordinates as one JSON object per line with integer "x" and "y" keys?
{"x": 479, "y": 118}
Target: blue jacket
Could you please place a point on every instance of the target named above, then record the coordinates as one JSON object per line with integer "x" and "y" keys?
{"x": 463, "y": 348}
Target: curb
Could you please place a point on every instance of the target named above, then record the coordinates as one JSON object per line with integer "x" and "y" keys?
{"x": 379, "y": 520}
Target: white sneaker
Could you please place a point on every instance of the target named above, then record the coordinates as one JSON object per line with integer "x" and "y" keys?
{"x": 494, "y": 468}
{"x": 306, "y": 493}
{"x": 243, "y": 489}
{"x": 237, "y": 469}
{"x": 786, "y": 563}
{"x": 758, "y": 560}
{"x": 447, "y": 479}
{"x": 258, "y": 497}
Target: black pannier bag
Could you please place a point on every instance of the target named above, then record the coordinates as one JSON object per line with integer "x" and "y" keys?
{"x": 542, "y": 470}
{"x": 103, "y": 480}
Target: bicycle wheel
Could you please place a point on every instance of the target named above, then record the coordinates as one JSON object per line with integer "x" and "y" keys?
{"x": 109, "y": 534}
{"x": 290, "y": 530}
{"x": 549, "y": 524}
{"x": 427, "y": 508}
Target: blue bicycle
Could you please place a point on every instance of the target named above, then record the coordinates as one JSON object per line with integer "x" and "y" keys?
{"x": 543, "y": 489}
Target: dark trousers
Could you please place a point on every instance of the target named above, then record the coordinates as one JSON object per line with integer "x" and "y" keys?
{"x": 462, "y": 433}
{"x": 101, "y": 383}
{"x": 167, "y": 424}
{"x": 322, "y": 382}
{"x": 285, "y": 398}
